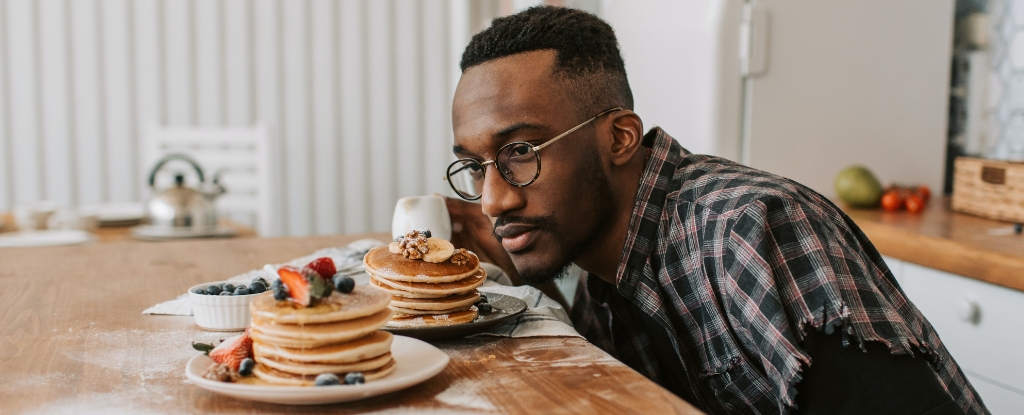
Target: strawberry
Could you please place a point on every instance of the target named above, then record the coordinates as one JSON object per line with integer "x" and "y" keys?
{"x": 298, "y": 285}
{"x": 324, "y": 267}
{"x": 232, "y": 350}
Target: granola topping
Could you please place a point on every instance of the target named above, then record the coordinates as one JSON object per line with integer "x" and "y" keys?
{"x": 220, "y": 373}
{"x": 460, "y": 257}
{"x": 414, "y": 245}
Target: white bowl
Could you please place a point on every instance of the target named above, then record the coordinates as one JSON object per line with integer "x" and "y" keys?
{"x": 220, "y": 312}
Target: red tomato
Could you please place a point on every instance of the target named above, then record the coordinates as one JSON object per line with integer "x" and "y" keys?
{"x": 924, "y": 192}
{"x": 915, "y": 203}
{"x": 892, "y": 200}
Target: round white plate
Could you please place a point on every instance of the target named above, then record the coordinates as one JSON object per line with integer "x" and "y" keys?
{"x": 160, "y": 233}
{"x": 415, "y": 360}
{"x": 113, "y": 213}
{"x": 51, "y": 237}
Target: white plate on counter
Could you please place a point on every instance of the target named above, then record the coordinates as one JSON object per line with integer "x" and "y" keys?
{"x": 415, "y": 362}
{"x": 53, "y": 237}
{"x": 163, "y": 233}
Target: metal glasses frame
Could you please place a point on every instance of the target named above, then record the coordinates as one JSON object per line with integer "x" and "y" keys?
{"x": 536, "y": 150}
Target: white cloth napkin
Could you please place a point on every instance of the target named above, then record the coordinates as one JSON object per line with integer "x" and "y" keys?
{"x": 544, "y": 317}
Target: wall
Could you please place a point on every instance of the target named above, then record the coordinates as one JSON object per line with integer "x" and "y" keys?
{"x": 357, "y": 93}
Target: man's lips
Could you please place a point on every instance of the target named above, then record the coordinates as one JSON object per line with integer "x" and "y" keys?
{"x": 514, "y": 237}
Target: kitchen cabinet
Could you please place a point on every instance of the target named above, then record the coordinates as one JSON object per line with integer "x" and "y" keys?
{"x": 980, "y": 324}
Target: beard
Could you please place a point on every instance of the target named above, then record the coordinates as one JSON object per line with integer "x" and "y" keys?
{"x": 534, "y": 272}
{"x": 595, "y": 188}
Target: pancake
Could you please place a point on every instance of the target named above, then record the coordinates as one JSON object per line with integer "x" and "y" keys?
{"x": 447, "y": 303}
{"x": 410, "y": 321}
{"x": 374, "y": 344}
{"x": 362, "y": 302}
{"x": 404, "y": 294}
{"x": 399, "y": 311}
{"x": 316, "y": 335}
{"x": 268, "y": 374}
{"x": 382, "y": 262}
{"x": 306, "y": 368}
{"x": 446, "y": 288}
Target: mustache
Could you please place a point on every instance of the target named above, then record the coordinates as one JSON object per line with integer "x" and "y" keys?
{"x": 540, "y": 222}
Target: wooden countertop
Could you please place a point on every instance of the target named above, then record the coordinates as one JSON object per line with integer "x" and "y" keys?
{"x": 73, "y": 340}
{"x": 940, "y": 238}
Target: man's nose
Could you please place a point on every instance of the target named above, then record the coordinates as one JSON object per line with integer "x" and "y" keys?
{"x": 499, "y": 196}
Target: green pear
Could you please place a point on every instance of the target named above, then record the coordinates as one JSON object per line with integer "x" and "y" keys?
{"x": 858, "y": 187}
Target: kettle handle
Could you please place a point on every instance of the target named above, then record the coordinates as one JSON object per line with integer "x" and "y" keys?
{"x": 169, "y": 157}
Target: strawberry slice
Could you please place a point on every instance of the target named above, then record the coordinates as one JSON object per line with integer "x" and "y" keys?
{"x": 324, "y": 267}
{"x": 231, "y": 352}
{"x": 297, "y": 283}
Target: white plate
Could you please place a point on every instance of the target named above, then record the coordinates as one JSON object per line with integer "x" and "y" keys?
{"x": 160, "y": 233}
{"x": 415, "y": 362}
{"x": 116, "y": 212}
{"x": 44, "y": 238}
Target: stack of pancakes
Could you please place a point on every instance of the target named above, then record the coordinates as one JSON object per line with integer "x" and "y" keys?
{"x": 293, "y": 344}
{"x": 425, "y": 293}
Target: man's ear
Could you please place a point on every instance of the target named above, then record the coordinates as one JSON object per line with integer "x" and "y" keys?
{"x": 627, "y": 136}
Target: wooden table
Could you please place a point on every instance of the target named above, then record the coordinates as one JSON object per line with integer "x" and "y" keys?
{"x": 975, "y": 247}
{"x": 73, "y": 340}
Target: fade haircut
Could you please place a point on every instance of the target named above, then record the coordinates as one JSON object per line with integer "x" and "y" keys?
{"x": 588, "y": 63}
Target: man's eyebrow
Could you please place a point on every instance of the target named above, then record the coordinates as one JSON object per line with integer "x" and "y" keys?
{"x": 500, "y": 136}
{"x": 457, "y": 149}
{"x": 514, "y": 128}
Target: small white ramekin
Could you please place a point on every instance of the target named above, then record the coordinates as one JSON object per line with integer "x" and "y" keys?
{"x": 220, "y": 312}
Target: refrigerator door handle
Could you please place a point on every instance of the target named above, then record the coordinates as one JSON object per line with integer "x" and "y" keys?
{"x": 754, "y": 41}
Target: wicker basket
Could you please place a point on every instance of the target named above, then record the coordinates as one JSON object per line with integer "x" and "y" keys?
{"x": 989, "y": 188}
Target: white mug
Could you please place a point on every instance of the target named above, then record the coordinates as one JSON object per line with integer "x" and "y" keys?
{"x": 33, "y": 217}
{"x": 73, "y": 219}
{"x": 418, "y": 212}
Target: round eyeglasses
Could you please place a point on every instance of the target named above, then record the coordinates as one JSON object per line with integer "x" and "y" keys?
{"x": 517, "y": 162}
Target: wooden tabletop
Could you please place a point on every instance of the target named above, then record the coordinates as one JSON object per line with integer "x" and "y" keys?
{"x": 73, "y": 340}
{"x": 940, "y": 238}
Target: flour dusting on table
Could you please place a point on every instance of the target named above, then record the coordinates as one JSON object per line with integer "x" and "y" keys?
{"x": 463, "y": 392}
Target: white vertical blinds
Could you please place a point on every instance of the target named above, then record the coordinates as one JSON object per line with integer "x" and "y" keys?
{"x": 356, "y": 92}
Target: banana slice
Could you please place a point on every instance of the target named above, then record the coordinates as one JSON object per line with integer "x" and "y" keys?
{"x": 395, "y": 248}
{"x": 438, "y": 250}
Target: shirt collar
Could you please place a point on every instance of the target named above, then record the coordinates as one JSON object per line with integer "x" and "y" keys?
{"x": 665, "y": 155}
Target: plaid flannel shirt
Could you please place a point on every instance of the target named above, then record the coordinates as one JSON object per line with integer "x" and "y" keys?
{"x": 725, "y": 268}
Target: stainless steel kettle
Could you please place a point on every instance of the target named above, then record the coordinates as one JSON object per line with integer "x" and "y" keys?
{"x": 182, "y": 207}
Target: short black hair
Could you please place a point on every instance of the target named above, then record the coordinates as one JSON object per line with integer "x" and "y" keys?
{"x": 588, "y": 58}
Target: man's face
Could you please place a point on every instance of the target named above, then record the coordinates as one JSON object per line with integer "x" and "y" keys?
{"x": 546, "y": 225}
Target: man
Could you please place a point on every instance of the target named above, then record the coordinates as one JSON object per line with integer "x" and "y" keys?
{"x": 738, "y": 290}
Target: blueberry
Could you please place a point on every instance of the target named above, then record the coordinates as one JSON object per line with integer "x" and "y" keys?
{"x": 261, "y": 279}
{"x": 241, "y": 291}
{"x": 343, "y": 284}
{"x": 257, "y": 287}
{"x": 328, "y": 379}
{"x": 245, "y": 368}
{"x": 225, "y": 293}
{"x": 399, "y": 238}
{"x": 354, "y": 378}
{"x": 483, "y": 298}
{"x": 483, "y": 307}
{"x": 280, "y": 290}
{"x": 200, "y": 291}
{"x": 213, "y": 290}
{"x": 228, "y": 287}
{"x": 425, "y": 232}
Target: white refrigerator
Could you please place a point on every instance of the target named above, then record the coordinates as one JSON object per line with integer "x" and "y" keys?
{"x": 797, "y": 88}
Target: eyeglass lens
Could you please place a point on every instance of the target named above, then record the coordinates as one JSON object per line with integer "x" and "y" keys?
{"x": 518, "y": 164}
